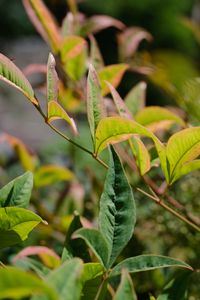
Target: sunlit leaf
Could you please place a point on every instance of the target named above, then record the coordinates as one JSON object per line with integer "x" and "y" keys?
{"x": 125, "y": 289}
{"x": 73, "y": 56}
{"x": 112, "y": 74}
{"x": 91, "y": 271}
{"x": 52, "y": 79}
{"x": 154, "y": 116}
{"x": 141, "y": 154}
{"x": 11, "y": 74}
{"x": 117, "y": 214}
{"x": 135, "y": 99}
{"x": 17, "y": 284}
{"x": 95, "y": 240}
{"x": 55, "y": 112}
{"x": 94, "y": 101}
{"x": 39, "y": 14}
{"x": 16, "y": 223}
{"x": 17, "y": 192}
{"x": 148, "y": 262}
{"x": 182, "y": 148}
{"x": 50, "y": 174}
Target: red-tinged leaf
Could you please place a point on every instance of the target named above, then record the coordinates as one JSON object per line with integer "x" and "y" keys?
{"x": 97, "y": 23}
{"x": 67, "y": 27}
{"x": 55, "y": 112}
{"x": 11, "y": 74}
{"x": 95, "y": 110}
{"x": 112, "y": 74}
{"x": 35, "y": 68}
{"x": 48, "y": 23}
{"x": 95, "y": 54}
{"x": 48, "y": 256}
{"x": 73, "y": 56}
{"x": 52, "y": 79}
{"x": 130, "y": 39}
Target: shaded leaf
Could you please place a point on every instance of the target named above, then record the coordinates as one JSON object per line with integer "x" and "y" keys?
{"x": 42, "y": 18}
{"x": 30, "y": 264}
{"x": 17, "y": 192}
{"x": 95, "y": 240}
{"x": 91, "y": 271}
{"x": 94, "y": 101}
{"x": 50, "y": 174}
{"x": 117, "y": 214}
{"x": 125, "y": 289}
{"x": 73, "y": 56}
{"x": 112, "y": 74}
{"x": 52, "y": 79}
{"x": 17, "y": 284}
{"x": 95, "y": 54}
{"x": 55, "y": 112}
{"x": 183, "y": 147}
{"x": 148, "y": 262}
{"x": 135, "y": 99}
{"x": 16, "y": 224}
{"x": 153, "y": 116}
{"x": 67, "y": 27}
{"x": 11, "y": 74}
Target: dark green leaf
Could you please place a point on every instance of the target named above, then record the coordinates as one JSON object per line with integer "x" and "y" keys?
{"x": 125, "y": 290}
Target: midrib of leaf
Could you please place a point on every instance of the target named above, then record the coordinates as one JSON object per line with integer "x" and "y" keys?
{"x": 175, "y": 166}
{"x": 113, "y": 135}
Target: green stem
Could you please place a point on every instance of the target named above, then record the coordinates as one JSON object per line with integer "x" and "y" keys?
{"x": 157, "y": 200}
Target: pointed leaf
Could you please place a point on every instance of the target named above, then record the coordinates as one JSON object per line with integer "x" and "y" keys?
{"x": 16, "y": 224}
{"x": 91, "y": 271}
{"x": 17, "y": 192}
{"x": 141, "y": 154}
{"x": 52, "y": 79}
{"x": 117, "y": 214}
{"x": 112, "y": 74}
{"x": 95, "y": 240}
{"x": 148, "y": 262}
{"x": 11, "y": 74}
{"x": 186, "y": 168}
{"x": 55, "y": 112}
{"x": 95, "y": 54}
{"x": 94, "y": 101}
{"x": 152, "y": 116}
{"x": 135, "y": 99}
{"x": 73, "y": 56}
{"x": 182, "y": 147}
{"x": 50, "y": 174}
{"x": 176, "y": 288}
{"x": 42, "y": 15}
{"x": 125, "y": 289}
{"x": 68, "y": 25}
{"x": 17, "y": 284}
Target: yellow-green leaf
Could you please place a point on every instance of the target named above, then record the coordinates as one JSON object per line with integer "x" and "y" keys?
{"x": 55, "y": 112}
{"x": 135, "y": 99}
{"x": 112, "y": 74}
{"x": 11, "y": 74}
{"x": 49, "y": 174}
{"x": 154, "y": 116}
{"x": 52, "y": 79}
{"x": 73, "y": 56}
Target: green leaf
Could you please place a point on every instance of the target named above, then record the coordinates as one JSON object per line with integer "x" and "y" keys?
{"x": 11, "y": 74}
{"x": 141, "y": 154}
{"x": 44, "y": 22}
{"x": 91, "y": 271}
{"x": 135, "y": 99}
{"x": 154, "y": 115}
{"x": 52, "y": 79}
{"x": 112, "y": 74}
{"x": 125, "y": 289}
{"x": 176, "y": 288}
{"x": 55, "y": 112}
{"x": 17, "y": 192}
{"x": 94, "y": 101}
{"x": 65, "y": 280}
{"x": 73, "y": 56}
{"x": 95, "y": 240}
{"x": 182, "y": 148}
{"x": 147, "y": 262}
{"x": 95, "y": 54}
{"x": 17, "y": 284}
{"x": 75, "y": 247}
{"x": 50, "y": 174}
{"x": 16, "y": 224}
{"x": 117, "y": 214}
